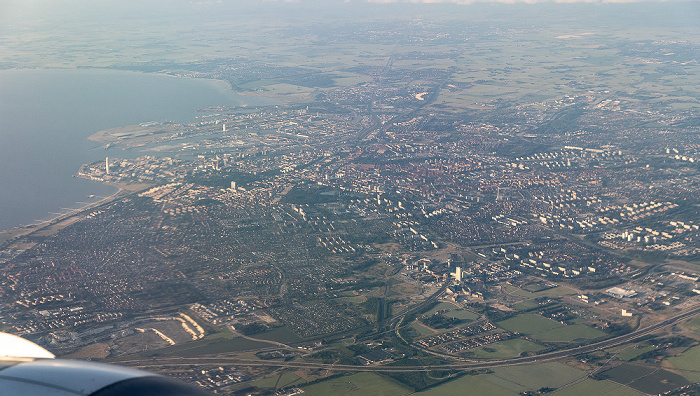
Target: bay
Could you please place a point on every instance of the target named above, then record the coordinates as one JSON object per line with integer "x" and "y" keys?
{"x": 46, "y": 116}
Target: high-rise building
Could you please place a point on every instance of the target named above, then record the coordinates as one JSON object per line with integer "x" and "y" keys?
{"x": 107, "y": 165}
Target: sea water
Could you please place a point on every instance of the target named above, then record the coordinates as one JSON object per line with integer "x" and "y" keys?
{"x": 46, "y": 116}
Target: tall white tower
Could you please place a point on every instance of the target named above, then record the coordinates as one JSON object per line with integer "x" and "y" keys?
{"x": 107, "y": 165}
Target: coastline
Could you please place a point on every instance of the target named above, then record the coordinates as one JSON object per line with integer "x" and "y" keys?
{"x": 49, "y": 227}
{"x": 129, "y": 98}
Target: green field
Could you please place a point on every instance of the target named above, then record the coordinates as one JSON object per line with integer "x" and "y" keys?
{"x": 558, "y": 291}
{"x": 467, "y": 385}
{"x": 422, "y": 330}
{"x": 355, "y": 299}
{"x": 631, "y": 353}
{"x": 693, "y": 324}
{"x": 626, "y": 373}
{"x": 462, "y": 314}
{"x": 282, "y": 381}
{"x": 280, "y": 334}
{"x": 525, "y": 305}
{"x": 597, "y": 388}
{"x": 660, "y": 382}
{"x": 505, "y": 349}
{"x": 689, "y": 363}
{"x": 453, "y": 311}
{"x": 548, "y": 330}
{"x": 536, "y": 376}
{"x": 569, "y": 333}
{"x": 357, "y": 384}
{"x": 529, "y": 324}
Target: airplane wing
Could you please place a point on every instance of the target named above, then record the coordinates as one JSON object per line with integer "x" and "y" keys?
{"x": 26, "y": 369}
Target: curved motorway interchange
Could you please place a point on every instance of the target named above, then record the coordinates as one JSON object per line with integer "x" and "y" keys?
{"x": 462, "y": 365}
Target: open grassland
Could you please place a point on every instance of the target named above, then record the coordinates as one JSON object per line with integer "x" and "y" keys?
{"x": 357, "y": 384}
{"x": 505, "y": 349}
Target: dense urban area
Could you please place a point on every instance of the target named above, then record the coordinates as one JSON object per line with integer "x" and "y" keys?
{"x": 425, "y": 207}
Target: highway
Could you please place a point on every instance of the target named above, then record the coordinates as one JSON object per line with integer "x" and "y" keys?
{"x": 462, "y": 365}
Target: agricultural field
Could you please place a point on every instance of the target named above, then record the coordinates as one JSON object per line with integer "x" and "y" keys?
{"x": 505, "y": 349}
{"x": 357, "y": 384}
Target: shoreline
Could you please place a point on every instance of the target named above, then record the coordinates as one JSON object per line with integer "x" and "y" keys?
{"x": 51, "y": 226}
{"x": 224, "y": 86}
